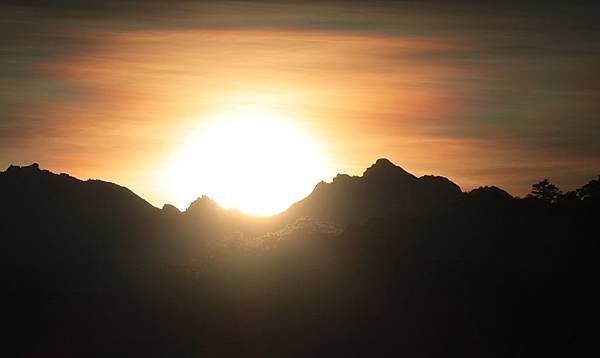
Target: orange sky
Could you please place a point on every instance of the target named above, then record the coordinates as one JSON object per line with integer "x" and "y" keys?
{"x": 112, "y": 96}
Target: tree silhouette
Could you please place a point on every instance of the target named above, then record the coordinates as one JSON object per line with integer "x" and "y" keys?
{"x": 545, "y": 191}
{"x": 589, "y": 190}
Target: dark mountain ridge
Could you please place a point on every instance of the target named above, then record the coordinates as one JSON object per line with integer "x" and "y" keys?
{"x": 383, "y": 189}
{"x": 383, "y": 264}
{"x": 49, "y": 208}
{"x": 31, "y": 187}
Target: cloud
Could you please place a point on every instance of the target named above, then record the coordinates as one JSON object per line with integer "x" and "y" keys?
{"x": 428, "y": 84}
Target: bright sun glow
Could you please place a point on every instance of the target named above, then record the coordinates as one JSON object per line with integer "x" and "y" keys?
{"x": 250, "y": 160}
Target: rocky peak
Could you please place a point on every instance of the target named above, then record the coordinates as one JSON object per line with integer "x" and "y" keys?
{"x": 384, "y": 168}
{"x": 34, "y": 167}
{"x": 204, "y": 204}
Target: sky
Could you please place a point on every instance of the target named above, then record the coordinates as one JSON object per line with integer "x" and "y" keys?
{"x": 484, "y": 93}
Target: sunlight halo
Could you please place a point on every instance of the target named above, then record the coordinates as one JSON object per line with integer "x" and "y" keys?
{"x": 247, "y": 159}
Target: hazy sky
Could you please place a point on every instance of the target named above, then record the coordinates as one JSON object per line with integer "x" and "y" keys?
{"x": 485, "y": 93}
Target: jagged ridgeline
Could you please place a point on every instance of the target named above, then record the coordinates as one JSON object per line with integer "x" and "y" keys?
{"x": 383, "y": 264}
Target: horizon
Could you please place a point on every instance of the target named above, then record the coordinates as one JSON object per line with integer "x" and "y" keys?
{"x": 170, "y": 100}
{"x": 299, "y": 178}
{"x": 234, "y": 209}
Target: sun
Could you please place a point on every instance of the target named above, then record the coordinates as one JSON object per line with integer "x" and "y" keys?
{"x": 250, "y": 160}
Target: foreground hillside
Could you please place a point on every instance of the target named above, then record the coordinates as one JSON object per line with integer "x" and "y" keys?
{"x": 382, "y": 264}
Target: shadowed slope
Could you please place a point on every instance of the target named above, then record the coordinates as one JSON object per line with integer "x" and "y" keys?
{"x": 383, "y": 189}
{"x": 60, "y": 231}
{"x": 60, "y": 212}
{"x": 420, "y": 269}
{"x": 35, "y": 189}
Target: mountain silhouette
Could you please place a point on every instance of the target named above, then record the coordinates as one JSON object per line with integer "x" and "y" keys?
{"x": 46, "y": 210}
{"x": 490, "y": 195}
{"x": 383, "y": 264}
{"x": 383, "y": 189}
{"x": 29, "y": 190}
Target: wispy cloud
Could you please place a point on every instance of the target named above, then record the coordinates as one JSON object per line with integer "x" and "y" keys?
{"x": 465, "y": 90}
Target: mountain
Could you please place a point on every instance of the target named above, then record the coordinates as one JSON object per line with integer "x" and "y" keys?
{"x": 383, "y": 264}
{"x": 57, "y": 215}
{"x": 490, "y": 195}
{"x": 31, "y": 192}
{"x": 383, "y": 189}
{"x": 61, "y": 234}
